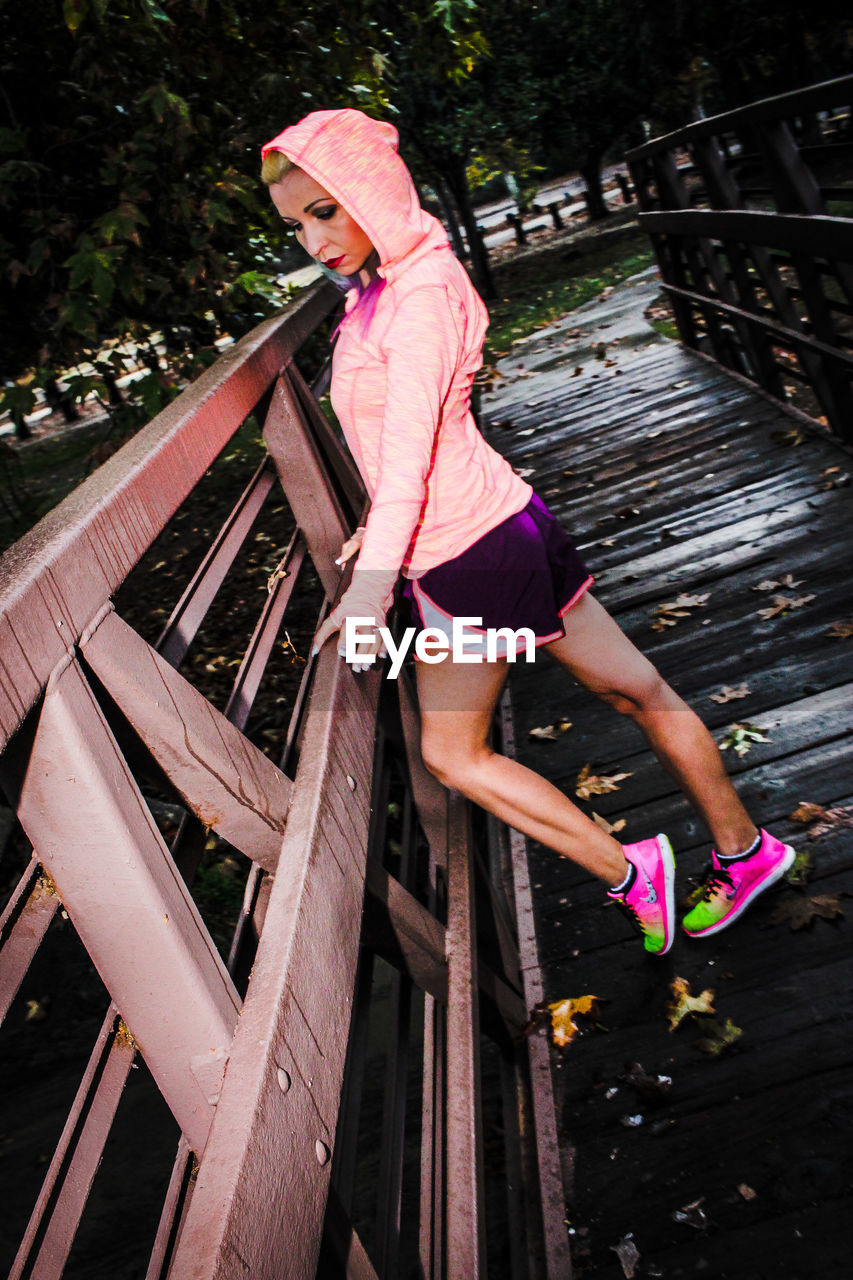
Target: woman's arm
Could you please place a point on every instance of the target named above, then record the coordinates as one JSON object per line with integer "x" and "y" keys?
{"x": 423, "y": 350}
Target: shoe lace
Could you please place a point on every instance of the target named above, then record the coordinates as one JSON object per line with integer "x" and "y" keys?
{"x": 632, "y": 914}
{"x": 715, "y": 878}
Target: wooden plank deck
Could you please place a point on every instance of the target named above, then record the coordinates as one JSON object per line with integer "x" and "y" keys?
{"x": 676, "y": 477}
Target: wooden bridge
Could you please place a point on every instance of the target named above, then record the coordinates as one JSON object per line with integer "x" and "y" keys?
{"x": 345, "y": 1092}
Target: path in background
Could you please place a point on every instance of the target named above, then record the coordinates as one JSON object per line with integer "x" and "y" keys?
{"x": 677, "y": 478}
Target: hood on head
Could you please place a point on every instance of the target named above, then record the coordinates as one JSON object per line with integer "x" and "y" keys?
{"x": 355, "y": 158}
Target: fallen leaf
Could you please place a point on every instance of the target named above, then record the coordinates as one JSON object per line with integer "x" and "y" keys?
{"x": 784, "y": 604}
{"x": 741, "y": 737}
{"x": 578, "y": 371}
{"x": 676, "y": 386}
{"x": 628, "y": 1254}
{"x": 841, "y": 630}
{"x": 652, "y": 1089}
{"x": 667, "y": 614}
{"x": 800, "y": 870}
{"x": 838, "y": 482}
{"x": 692, "y": 1215}
{"x": 789, "y": 438}
{"x": 551, "y": 732}
{"x": 800, "y": 912}
{"x": 609, "y": 828}
{"x": 687, "y": 601}
{"x": 787, "y": 580}
{"x": 728, "y": 694}
{"x": 683, "y": 1004}
{"x": 718, "y": 1036}
{"x": 37, "y": 1010}
{"x": 563, "y": 1012}
{"x": 296, "y": 659}
{"x": 824, "y": 820}
{"x": 593, "y": 784}
{"x": 807, "y": 812}
{"x": 746, "y": 1191}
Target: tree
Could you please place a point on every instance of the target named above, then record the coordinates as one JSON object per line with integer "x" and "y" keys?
{"x": 597, "y": 67}
{"x": 460, "y": 89}
{"x": 130, "y": 200}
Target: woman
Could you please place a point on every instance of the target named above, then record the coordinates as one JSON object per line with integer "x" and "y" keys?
{"x": 469, "y": 535}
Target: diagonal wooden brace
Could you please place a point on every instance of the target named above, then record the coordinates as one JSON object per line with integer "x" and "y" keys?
{"x": 94, "y": 834}
{"x": 226, "y": 780}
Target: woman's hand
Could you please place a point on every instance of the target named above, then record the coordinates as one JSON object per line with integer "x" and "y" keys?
{"x": 351, "y": 546}
{"x": 370, "y": 644}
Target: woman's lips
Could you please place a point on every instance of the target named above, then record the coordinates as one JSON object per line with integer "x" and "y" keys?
{"x": 331, "y": 263}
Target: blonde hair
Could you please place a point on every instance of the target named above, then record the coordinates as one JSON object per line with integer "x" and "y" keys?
{"x": 274, "y": 167}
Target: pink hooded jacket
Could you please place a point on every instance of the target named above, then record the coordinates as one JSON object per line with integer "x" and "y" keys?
{"x": 401, "y": 382}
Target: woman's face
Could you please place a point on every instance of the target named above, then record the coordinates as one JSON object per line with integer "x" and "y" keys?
{"x": 322, "y": 226}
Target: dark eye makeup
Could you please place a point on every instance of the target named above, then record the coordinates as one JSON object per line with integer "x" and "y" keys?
{"x": 327, "y": 212}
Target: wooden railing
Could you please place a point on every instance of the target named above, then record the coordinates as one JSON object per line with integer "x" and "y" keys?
{"x": 377, "y": 904}
{"x": 751, "y": 217}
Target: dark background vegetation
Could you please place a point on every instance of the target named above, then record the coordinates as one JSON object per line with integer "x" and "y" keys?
{"x": 130, "y": 205}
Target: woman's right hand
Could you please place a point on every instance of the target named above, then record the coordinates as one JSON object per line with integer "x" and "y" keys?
{"x": 351, "y": 546}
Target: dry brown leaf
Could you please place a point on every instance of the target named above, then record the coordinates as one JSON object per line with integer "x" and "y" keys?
{"x": 807, "y": 812}
{"x": 728, "y": 694}
{"x": 37, "y": 1010}
{"x": 824, "y": 820}
{"x": 683, "y": 1004}
{"x": 551, "y": 732}
{"x": 593, "y": 784}
{"x": 784, "y": 604}
{"x": 789, "y": 438}
{"x": 787, "y": 580}
{"x": 563, "y": 1012}
{"x": 800, "y": 912}
{"x": 746, "y": 1191}
{"x": 687, "y": 601}
{"x": 842, "y": 630}
{"x": 667, "y": 615}
{"x": 628, "y": 1254}
{"x": 609, "y": 828}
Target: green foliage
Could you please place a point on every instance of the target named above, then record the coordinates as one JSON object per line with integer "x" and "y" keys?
{"x": 129, "y": 132}
{"x": 130, "y": 203}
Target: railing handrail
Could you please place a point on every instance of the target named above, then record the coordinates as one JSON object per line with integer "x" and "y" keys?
{"x": 816, "y": 97}
{"x": 819, "y": 235}
{"x": 53, "y": 581}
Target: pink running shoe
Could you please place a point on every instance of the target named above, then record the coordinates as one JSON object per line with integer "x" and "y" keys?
{"x": 649, "y": 897}
{"x": 732, "y": 883}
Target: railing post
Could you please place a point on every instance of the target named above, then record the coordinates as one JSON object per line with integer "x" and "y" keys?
{"x": 466, "y": 1235}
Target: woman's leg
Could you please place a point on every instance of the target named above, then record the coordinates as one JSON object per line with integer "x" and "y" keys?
{"x": 457, "y": 703}
{"x": 598, "y": 654}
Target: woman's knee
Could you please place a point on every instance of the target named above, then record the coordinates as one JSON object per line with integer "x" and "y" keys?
{"x": 448, "y": 761}
{"x": 645, "y": 694}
